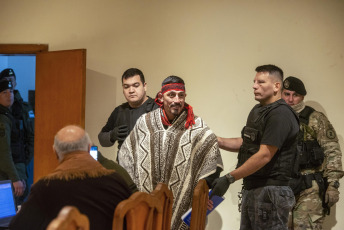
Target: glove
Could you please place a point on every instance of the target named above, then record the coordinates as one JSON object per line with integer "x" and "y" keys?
{"x": 119, "y": 133}
{"x": 331, "y": 196}
{"x": 220, "y": 186}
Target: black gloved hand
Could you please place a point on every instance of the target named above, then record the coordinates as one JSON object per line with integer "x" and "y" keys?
{"x": 220, "y": 186}
{"x": 119, "y": 133}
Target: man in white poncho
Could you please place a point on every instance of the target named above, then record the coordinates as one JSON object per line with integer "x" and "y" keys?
{"x": 172, "y": 146}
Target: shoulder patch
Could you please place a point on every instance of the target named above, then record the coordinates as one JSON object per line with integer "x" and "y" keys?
{"x": 331, "y": 134}
{"x": 31, "y": 114}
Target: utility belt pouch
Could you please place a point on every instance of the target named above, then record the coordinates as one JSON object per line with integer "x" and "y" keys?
{"x": 297, "y": 184}
{"x": 250, "y": 135}
{"x": 316, "y": 153}
{"x": 317, "y": 156}
{"x": 303, "y": 154}
{"x": 311, "y": 154}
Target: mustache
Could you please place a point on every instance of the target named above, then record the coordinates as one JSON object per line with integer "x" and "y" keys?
{"x": 175, "y": 105}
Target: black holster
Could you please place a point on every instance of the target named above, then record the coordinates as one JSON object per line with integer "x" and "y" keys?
{"x": 305, "y": 182}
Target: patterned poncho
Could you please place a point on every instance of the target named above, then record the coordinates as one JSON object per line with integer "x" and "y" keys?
{"x": 175, "y": 156}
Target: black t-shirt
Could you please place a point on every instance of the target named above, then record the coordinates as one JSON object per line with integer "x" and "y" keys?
{"x": 280, "y": 127}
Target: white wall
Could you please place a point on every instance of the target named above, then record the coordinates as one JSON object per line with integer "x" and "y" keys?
{"x": 213, "y": 45}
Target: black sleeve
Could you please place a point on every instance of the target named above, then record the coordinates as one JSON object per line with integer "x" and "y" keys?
{"x": 110, "y": 124}
{"x": 104, "y": 135}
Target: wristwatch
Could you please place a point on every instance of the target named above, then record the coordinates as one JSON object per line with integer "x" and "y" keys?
{"x": 230, "y": 178}
{"x": 336, "y": 184}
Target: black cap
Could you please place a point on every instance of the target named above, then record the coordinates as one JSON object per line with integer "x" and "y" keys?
{"x": 295, "y": 84}
{"x": 7, "y": 73}
{"x": 5, "y": 85}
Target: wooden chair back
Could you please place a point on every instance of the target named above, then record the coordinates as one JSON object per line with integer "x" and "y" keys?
{"x": 199, "y": 206}
{"x": 69, "y": 218}
{"x": 141, "y": 211}
{"x": 165, "y": 196}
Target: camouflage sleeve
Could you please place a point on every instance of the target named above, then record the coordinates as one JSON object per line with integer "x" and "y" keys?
{"x": 328, "y": 140}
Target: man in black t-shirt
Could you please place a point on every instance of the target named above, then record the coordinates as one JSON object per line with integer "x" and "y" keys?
{"x": 266, "y": 155}
{"x": 122, "y": 120}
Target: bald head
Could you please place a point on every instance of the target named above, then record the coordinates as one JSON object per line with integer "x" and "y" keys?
{"x": 70, "y": 133}
{"x": 71, "y": 138}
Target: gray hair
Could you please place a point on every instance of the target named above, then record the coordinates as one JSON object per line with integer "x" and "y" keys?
{"x": 62, "y": 147}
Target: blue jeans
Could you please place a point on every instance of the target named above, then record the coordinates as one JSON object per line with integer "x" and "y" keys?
{"x": 266, "y": 208}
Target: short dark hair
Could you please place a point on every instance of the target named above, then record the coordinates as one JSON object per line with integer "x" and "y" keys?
{"x": 272, "y": 70}
{"x": 133, "y": 72}
{"x": 172, "y": 79}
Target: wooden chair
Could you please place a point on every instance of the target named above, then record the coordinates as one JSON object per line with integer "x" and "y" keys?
{"x": 199, "y": 206}
{"x": 69, "y": 218}
{"x": 165, "y": 196}
{"x": 141, "y": 211}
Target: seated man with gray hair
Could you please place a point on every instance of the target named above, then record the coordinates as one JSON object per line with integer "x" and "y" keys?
{"x": 79, "y": 181}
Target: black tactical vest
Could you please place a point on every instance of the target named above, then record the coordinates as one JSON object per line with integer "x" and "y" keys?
{"x": 311, "y": 154}
{"x": 278, "y": 171}
{"x": 17, "y": 156}
{"x": 18, "y": 133}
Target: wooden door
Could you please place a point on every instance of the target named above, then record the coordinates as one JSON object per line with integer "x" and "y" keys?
{"x": 60, "y": 101}
{"x": 60, "y": 96}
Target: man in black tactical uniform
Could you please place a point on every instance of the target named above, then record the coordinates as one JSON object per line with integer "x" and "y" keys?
{"x": 122, "y": 120}
{"x": 266, "y": 155}
{"x": 22, "y": 136}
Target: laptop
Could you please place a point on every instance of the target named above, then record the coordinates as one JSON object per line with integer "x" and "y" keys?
{"x": 7, "y": 203}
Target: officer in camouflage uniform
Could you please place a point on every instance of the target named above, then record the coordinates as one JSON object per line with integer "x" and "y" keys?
{"x": 7, "y": 168}
{"x": 320, "y": 161}
{"x": 22, "y": 137}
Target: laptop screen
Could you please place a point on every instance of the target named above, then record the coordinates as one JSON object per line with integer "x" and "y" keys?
{"x": 7, "y": 203}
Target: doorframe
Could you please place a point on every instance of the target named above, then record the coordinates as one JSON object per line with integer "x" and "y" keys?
{"x": 23, "y": 48}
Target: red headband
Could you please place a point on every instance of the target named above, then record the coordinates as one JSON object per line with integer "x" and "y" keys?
{"x": 172, "y": 86}
{"x": 169, "y": 87}
{"x": 190, "y": 120}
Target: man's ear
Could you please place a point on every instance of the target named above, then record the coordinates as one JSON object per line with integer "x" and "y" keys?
{"x": 277, "y": 87}
{"x": 160, "y": 97}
